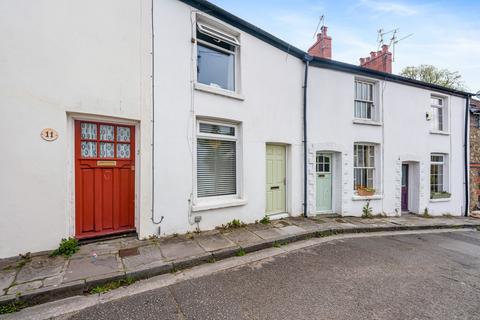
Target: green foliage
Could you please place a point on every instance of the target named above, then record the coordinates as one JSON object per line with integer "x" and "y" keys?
{"x": 367, "y": 211}
{"x": 67, "y": 248}
{"x": 234, "y": 224}
{"x": 426, "y": 214}
{"x": 265, "y": 220}
{"x": 440, "y": 195}
{"x": 12, "y": 307}
{"x": 211, "y": 260}
{"x": 112, "y": 285}
{"x": 240, "y": 252}
{"x": 431, "y": 74}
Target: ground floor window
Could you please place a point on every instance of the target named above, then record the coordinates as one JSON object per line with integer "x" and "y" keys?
{"x": 438, "y": 176}
{"x": 216, "y": 159}
{"x": 364, "y": 166}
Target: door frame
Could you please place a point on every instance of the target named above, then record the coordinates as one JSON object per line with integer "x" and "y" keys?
{"x": 71, "y": 182}
{"x": 408, "y": 188}
{"x": 332, "y": 182}
{"x": 287, "y": 179}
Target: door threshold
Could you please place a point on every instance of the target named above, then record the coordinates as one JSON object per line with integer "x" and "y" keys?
{"x": 278, "y": 215}
{"x": 104, "y": 237}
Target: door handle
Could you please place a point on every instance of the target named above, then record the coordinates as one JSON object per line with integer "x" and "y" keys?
{"x": 275, "y": 188}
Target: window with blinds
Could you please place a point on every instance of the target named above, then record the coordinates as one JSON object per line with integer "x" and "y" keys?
{"x": 216, "y": 160}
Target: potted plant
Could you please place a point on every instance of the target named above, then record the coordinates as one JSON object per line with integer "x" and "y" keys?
{"x": 365, "y": 191}
{"x": 440, "y": 195}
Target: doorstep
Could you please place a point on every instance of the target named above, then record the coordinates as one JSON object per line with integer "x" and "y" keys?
{"x": 41, "y": 279}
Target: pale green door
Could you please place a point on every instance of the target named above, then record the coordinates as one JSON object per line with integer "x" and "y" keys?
{"x": 276, "y": 182}
{"x": 324, "y": 182}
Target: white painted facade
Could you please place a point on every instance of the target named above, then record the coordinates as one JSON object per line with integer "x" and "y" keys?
{"x": 60, "y": 61}
{"x": 57, "y": 68}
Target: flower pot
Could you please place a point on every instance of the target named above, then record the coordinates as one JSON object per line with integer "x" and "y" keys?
{"x": 365, "y": 192}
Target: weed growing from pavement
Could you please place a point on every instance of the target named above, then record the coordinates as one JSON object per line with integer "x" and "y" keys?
{"x": 240, "y": 252}
{"x": 278, "y": 244}
{"x": 426, "y": 214}
{"x": 367, "y": 211}
{"x": 265, "y": 220}
{"x": 67, "y": 248}
{"x": 211, "y": 260}
{"x": 234, "y": 224}
{"x": 112, "y": 285}
{"x": 12, "y": 307}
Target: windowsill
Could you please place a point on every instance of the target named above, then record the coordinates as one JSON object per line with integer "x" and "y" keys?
{"x": 367, "y": 122}
{"x": 443, "y": 133}
{"x": 440, "y": 200}
{"x": 218, "y": 204}
{"x": 374, "y": 197}
{"x": 218, "y": 91}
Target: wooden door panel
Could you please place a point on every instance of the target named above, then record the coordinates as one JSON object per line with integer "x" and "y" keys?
{"x": 104, "y": 178}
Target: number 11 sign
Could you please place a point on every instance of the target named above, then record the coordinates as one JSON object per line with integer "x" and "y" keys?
{"x": 49, "y": 134}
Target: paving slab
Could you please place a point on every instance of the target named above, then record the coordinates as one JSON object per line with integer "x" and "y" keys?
{"x": 6, "y": 279}
{"x": 41, "y": 267}
{"x": 148, "y": 255}
{"x": 175, "y": 250}
{"x": 291, "y": 230}
{"x": 214, "y": 242}
{"x": 268, "y": 234}
{"x": 88, "y": 267}
{"x": 242, "y": 236}
{"x": 53, "y": 281}
{"x": 23, "y": 287}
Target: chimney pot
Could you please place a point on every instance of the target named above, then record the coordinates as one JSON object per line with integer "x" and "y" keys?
{"x": 378, "y": 60}
{"x": 323, "y": 45}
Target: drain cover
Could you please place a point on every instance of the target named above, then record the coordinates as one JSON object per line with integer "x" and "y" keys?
{"x": 128, "y": 252}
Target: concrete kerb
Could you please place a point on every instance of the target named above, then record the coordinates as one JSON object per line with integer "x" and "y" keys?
{"x": 46, "y": 294}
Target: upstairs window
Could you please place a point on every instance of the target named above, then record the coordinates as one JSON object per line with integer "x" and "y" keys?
{"x": 363, "y": 166}
{"x": 364, "y": 106}
{"x": 216, "y": 57}
{"x": 216, "y": 159}
{"x": 437, "y": 108}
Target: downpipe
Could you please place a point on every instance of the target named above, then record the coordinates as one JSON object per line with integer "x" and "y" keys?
{"x": 465, "y": 149}
{"x": 307, "y": 58}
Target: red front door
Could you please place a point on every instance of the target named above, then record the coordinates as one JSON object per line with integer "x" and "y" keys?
{"x": 104, "y": 178}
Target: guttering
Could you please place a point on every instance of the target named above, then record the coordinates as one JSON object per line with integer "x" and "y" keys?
{"x": 465, "y": 154}
{"x": 306, "y": 59}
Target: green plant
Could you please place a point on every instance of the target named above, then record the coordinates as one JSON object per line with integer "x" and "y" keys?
{"x": 278, "y": 244}
{"x": 112, "y": 285}
{"x": 426, "y": 214}
{"x": 12, "y": 307}
{"x": 440, "y": 195}
{"x": 240, "y": 252}
{"x": 367, "y": 211}
{"x": 265, "y": 220}
{"x": 67, "y": 248}
{"x": 211, "y": 260}
{"x": 234, "y": 224}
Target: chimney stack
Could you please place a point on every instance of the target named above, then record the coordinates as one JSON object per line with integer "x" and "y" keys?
{"x": 380, "y": 60}
{"x": 323, "y": 46}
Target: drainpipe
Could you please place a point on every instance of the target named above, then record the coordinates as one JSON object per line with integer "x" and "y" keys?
{"x": 466, "y": 146}
{"x": 307, "y": 58}
{"x": 153, "y": 124}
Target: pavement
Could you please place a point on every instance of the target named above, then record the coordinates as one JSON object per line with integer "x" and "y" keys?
{"x": 427, "y": 274}
{"x": 39, "y": 278}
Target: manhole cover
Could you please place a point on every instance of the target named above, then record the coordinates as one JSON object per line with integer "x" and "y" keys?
{"x": 128, "y": 252}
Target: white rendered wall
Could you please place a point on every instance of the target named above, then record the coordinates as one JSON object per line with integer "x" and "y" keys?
{"x": 61, "y": 59}
{"x": 271, "y": 111}
{"x": 403, "y": 136}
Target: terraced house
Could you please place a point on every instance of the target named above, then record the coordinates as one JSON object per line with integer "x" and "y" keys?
{"x": 164, "y": 116}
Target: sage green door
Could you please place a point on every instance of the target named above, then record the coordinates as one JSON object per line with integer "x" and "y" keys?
{"x": 276, "y": 182}
{"x": 324, "y": 181}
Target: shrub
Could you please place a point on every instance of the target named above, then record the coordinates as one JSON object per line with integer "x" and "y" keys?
{"x": 265, "y": 220}
{"x": 367, "y": 211}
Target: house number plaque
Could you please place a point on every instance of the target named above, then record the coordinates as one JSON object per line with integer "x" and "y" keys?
{"x": 49, "y": 134}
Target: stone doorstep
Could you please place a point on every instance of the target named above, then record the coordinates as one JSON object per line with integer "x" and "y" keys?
{"x": 78, "y": 287}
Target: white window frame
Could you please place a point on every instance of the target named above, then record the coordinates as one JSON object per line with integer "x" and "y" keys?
{"x": 444, "y": 112}
{"x": 444, "y": 164}
{"x": 212, "y": 136}
{"x": 373, "y": 105}
{"x": 373, "y": 168}
{"x": 230, "y": 37}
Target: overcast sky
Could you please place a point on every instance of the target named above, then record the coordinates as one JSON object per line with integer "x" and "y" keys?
{"x": 445, "y": 33}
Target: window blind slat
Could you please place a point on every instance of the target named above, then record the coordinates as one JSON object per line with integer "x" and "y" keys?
{"x": 216, "y": 168}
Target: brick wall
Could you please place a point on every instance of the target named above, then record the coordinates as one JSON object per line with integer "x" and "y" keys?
{"x": 475, "y": 157}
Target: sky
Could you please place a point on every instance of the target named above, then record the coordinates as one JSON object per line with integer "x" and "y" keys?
{"x": 446, "y": 34}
